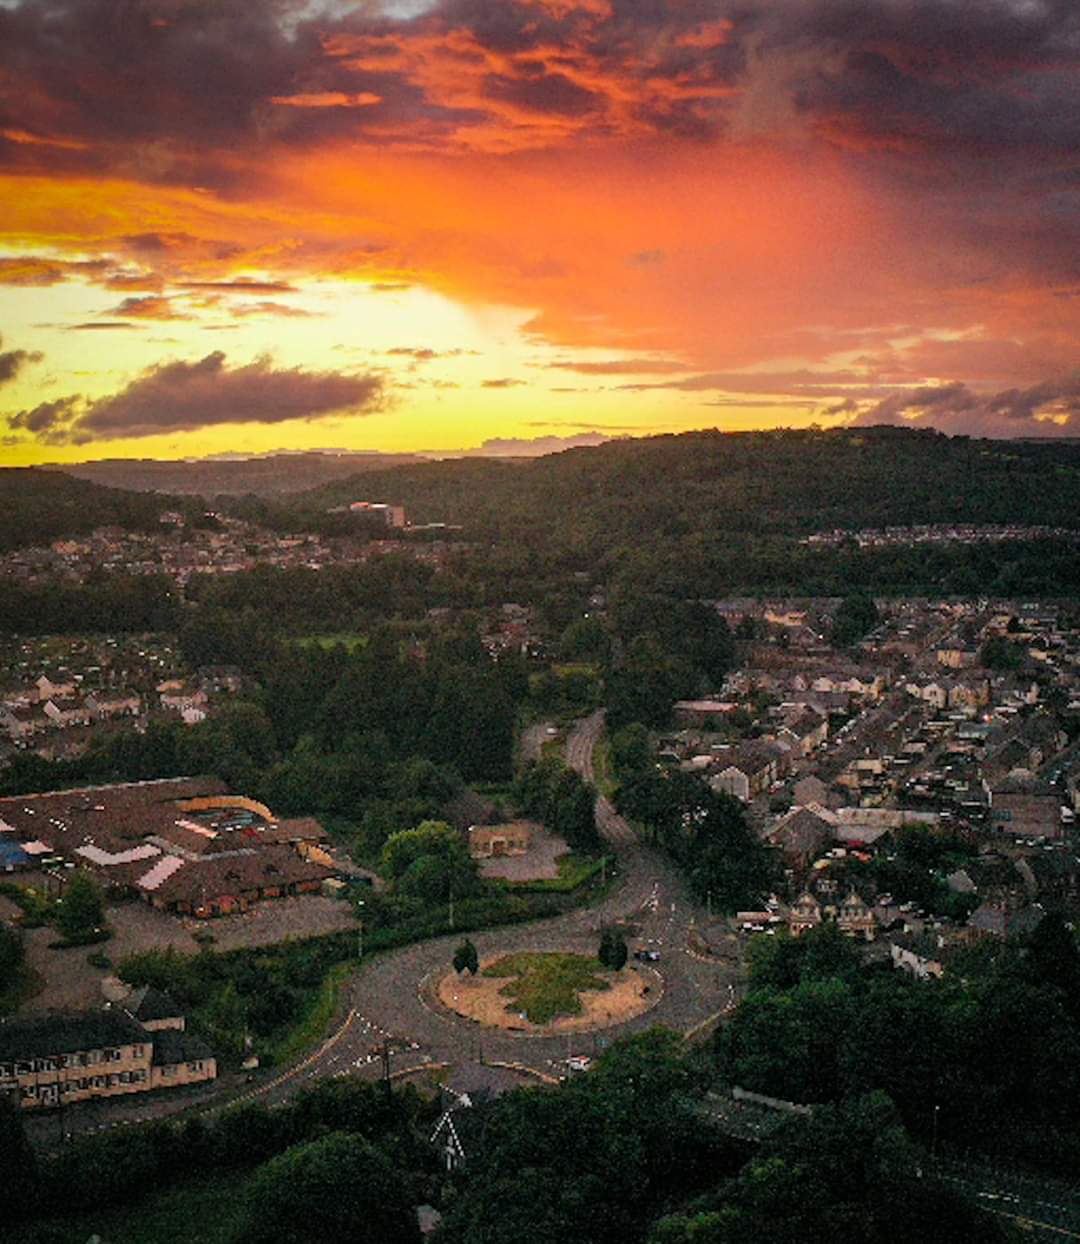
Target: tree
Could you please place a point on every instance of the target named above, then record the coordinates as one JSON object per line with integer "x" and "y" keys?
{"x": 11, "y": 957}
{"x": 466, "y": 959}
{"x": 612, "y": 953}
{"x": 340, "y": 1189}
{"x": 856, "y": 616}
{"x": 430, "y": 862}
{"x": 80, "y": 911}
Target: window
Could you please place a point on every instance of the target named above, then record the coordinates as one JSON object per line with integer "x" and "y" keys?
{"x": 136, "y": 1051}
{"x": 6, "y": 1071}
{"x": 168, "y": 1072}
{"x": 99, "y": 1082}
{"x": 30, "y": 1091}
{"x": 125, "y": 1077}
{"x": 113, "y": 1056}
{"x": 113, "y": 1081}
{"x": 196, "y": 1066}
{"x": 138, "y": 1077}
{"x": 24, "y": 1069}
{"x": 92, "y": 1057}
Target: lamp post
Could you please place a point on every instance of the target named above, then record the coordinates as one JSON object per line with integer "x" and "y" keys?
{"x": 360, "y": 929}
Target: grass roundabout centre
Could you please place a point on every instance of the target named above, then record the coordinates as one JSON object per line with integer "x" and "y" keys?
{"x": 539, "y": 993}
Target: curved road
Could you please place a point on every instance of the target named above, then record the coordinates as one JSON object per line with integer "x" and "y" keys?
{"x": 387, "y": 1001}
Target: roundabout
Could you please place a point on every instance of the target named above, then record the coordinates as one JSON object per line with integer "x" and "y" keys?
{"x": 545, "y": 993}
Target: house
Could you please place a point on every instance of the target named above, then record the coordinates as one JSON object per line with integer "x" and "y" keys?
{"x": 856, "y": 919}
{"x": 63, "y": 1059}
{"x": 486, "y": 841}
{"x": 748, "y": 770}
{"x": 917, "y": 953}
{"x": 699, "y": 713}
{"x": 1026, "y": 807}
{"x": 812, "y": 789}
{"x": 800, "y": 836}
{"x": 805, "y": 914}
{"x": 184, "y": 845}
{"x": 807, "y": 731}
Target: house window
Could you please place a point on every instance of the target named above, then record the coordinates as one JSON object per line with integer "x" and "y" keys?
{"x": 99, "y": 1082}
{"x": 136, "y": 1051}
{"x": 92, "y": 1057}
{"x": 24, "y": 1069}
{"x": 168, "y": 1072}
{"x": 5, "y": 1071}
{"x": 125, "y": 1077}
{"x": 113, "y": 1081}
{"x": 138, "y": 1077}
{"x": 113, "y": 1056}
{"x": 196, "y": 1066}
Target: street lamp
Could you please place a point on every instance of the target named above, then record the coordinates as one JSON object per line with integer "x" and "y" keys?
{"x": 360, "y": 929}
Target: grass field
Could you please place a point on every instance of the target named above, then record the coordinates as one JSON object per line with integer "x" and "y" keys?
{"x": 574, "y": 871}
{"x": 547, "y": 985}
{"x": 347, "y": 639}
{"x": 207, "y": 1210}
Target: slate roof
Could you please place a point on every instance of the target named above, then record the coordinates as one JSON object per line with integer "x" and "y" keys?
{"x": 67, "y": 1034}
{"x": 173, "y": 1046}
{"x": 148, "y": 1004}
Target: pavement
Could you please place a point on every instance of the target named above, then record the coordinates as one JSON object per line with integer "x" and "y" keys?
{"x": 387, "y": 1010}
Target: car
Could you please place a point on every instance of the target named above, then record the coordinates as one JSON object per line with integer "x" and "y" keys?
{"x": 647, "y": 956}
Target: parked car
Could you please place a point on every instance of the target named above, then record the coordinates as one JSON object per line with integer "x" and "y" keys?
{"x": 647, "y": 956}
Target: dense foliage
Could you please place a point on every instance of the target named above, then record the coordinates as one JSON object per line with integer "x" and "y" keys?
{"x": 40, "y": 505}
{"x": 704, "y": 831}
{"x": 984, "y": 1056}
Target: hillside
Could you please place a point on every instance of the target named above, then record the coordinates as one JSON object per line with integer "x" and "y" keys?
{"x": 761, "y": 483}
{"x": 209, "y": 477}
{"x": 37, "y": 506}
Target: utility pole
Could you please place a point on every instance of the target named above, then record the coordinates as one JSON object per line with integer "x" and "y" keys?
{"x": 451, "y": 905}
{"x": 386, "y": 1067}
{"x": 360, "y": 929}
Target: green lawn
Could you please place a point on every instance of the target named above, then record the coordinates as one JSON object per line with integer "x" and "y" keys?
{"x": 207, "y": 1210}
{"x": 547, "y": 985}
{"x": 348, "y": 639}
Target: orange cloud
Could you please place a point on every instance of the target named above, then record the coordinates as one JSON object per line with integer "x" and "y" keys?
{"x": 328, "y": 99}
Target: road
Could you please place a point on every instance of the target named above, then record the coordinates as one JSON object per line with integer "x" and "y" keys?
{"x": 387, "y": 1000}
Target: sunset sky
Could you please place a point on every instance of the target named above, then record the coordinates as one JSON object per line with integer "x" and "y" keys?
{"x": 246, "y": 225}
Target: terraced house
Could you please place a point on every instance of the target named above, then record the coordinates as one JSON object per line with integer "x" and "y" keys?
{"x": 58, "y": 1060}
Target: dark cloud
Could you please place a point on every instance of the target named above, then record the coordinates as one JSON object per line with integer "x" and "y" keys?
{"x": 422, "y": 354}
{"x": 152, "y": 307}
{"x": 504, "y": 382}
{"x": 801, "y": 383}
{"x": 1050, "y": 408}
{"x": 13, "y": 361}
{"x": 39, "y": 270}
{"x": 241, "y": 286}
{"x": 48, "y": 420}
{"x": 91, "y": 326}
{"x": 180, "y": 397}
{"x": 171, "y": 90}
{"x": 184, "y": 397}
